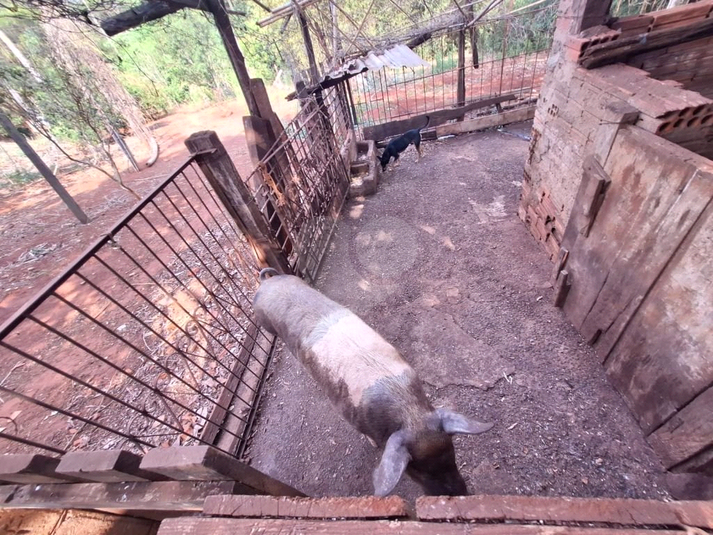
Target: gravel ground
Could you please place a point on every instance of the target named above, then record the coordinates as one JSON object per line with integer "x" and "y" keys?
{"x": 438, "y": 262}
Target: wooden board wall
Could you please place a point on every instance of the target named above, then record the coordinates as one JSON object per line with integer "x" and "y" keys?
{"x": 641, "y": 287}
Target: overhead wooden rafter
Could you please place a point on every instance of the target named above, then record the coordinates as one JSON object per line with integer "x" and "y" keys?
{"x": 284, "y": 11}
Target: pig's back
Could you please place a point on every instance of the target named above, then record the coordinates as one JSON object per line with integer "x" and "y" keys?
{"x": 340, "y": 350}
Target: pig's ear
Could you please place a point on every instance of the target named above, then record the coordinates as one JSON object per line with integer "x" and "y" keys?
{"x": 392, "y": 465}
{"x": 453, "y": 423}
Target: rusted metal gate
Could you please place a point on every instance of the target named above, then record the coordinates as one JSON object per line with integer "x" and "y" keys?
{"x": 465, "y": 72}
{"x": 147, "y": 339}
{"x": 301, "y": 184}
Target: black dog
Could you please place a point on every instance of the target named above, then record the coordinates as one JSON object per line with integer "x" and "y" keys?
{"x": 401, "y": 143}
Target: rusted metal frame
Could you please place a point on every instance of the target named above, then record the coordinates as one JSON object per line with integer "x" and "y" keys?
{"x": 218, "y": 206}
{"x": 279, "y": 145}
{"x": 243, "y": 262}
{"x": 269, "y": 219}
{"x": 190, "y": 269}
{"x": 161, "y": 337}
{"x": 333, "y": 167}
{"x": 89, "y": 386}
{"x": 183, "y": 285}
{"x": 166, "y": 316}
{"x": 32, "y": 443}
{"x": 200, "y": 239}
{"x": 30, "y": 306}
{"x": 252, "y": 415}
{"x": 217, "y": 261}
{"x": 45, "y": 405}
{"x": 141, "y": 352}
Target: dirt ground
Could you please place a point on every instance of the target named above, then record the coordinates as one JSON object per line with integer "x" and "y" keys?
{"x": 438, "y": 262}
{"x": 41, "y": 236}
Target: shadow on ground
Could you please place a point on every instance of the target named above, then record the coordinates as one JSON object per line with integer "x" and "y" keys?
{"x": 438, "y": 262}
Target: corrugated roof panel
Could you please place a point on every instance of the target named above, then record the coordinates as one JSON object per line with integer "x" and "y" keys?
{"x": 394, "y": 58}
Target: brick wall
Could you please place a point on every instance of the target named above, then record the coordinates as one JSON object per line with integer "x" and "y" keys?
{"x": 575, "y": 108}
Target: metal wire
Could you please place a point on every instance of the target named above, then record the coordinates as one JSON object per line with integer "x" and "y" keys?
{"x": 389, "y": 95}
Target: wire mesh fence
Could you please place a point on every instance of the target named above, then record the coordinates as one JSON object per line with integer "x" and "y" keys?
{"x": 301, "y": 184}
{"x": 503, "y": 55}
{"x": 146, "y": 340}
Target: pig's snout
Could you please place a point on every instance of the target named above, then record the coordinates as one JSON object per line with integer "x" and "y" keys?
{"x": 450, "y": 485}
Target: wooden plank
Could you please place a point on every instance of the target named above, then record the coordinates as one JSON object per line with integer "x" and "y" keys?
{"x": 675, "y": 203}
{"x": 396, "y": 128}
{"x": 284, "y": 507}
{"x": 107, "y": 466}
{"x": 689, "y": 432}
{"x": 630, "y": 212}
{"x": 548, "y": 509}
{"x": 660, "y": 360}
{"x": 699, "y": 10}
{"x": 240, "y": 526}
{"x": 695, "y": 513}
{"x": 479, "y": 123}
{"x": 562, "y": 286}
{"x": 460, "y": 85}
{"x": 626, "y": 47}
{"x": 26, "y": 468}
{"x": 136, "y": 496}
{"x": 205, "y": 463}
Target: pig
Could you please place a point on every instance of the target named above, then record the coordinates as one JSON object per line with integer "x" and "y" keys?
{"x": 366, "y": 378}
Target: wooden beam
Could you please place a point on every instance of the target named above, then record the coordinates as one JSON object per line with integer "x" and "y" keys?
{"x": 284, "y": 11}
{"x": 169, "y": 496}
{"x": 488, "y": 121}
{"x": 225, "y": 28}
{"x": 625, "y": 512}
{"x": 261, "y": 506}
{"x": 45, "y": 171}
{"x": 395, "y": 128}
{"x": 138, "y": 15}
{"x": 208, "y": 464}
{"x": 241, "y": 526}
{"x": 460, "y": 89}
{"x": 105, "y": 466}
{"x": 220, "y": 171}
{"x": 26, "y": 468}
{"x": 623, "y": 48}
{"x": 313, "y": 71}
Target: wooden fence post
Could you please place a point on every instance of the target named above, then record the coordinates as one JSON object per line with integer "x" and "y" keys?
{"x": 461, "y": 72}
{"x": 45, "y": 171}
{"x": 218, "y": 168}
